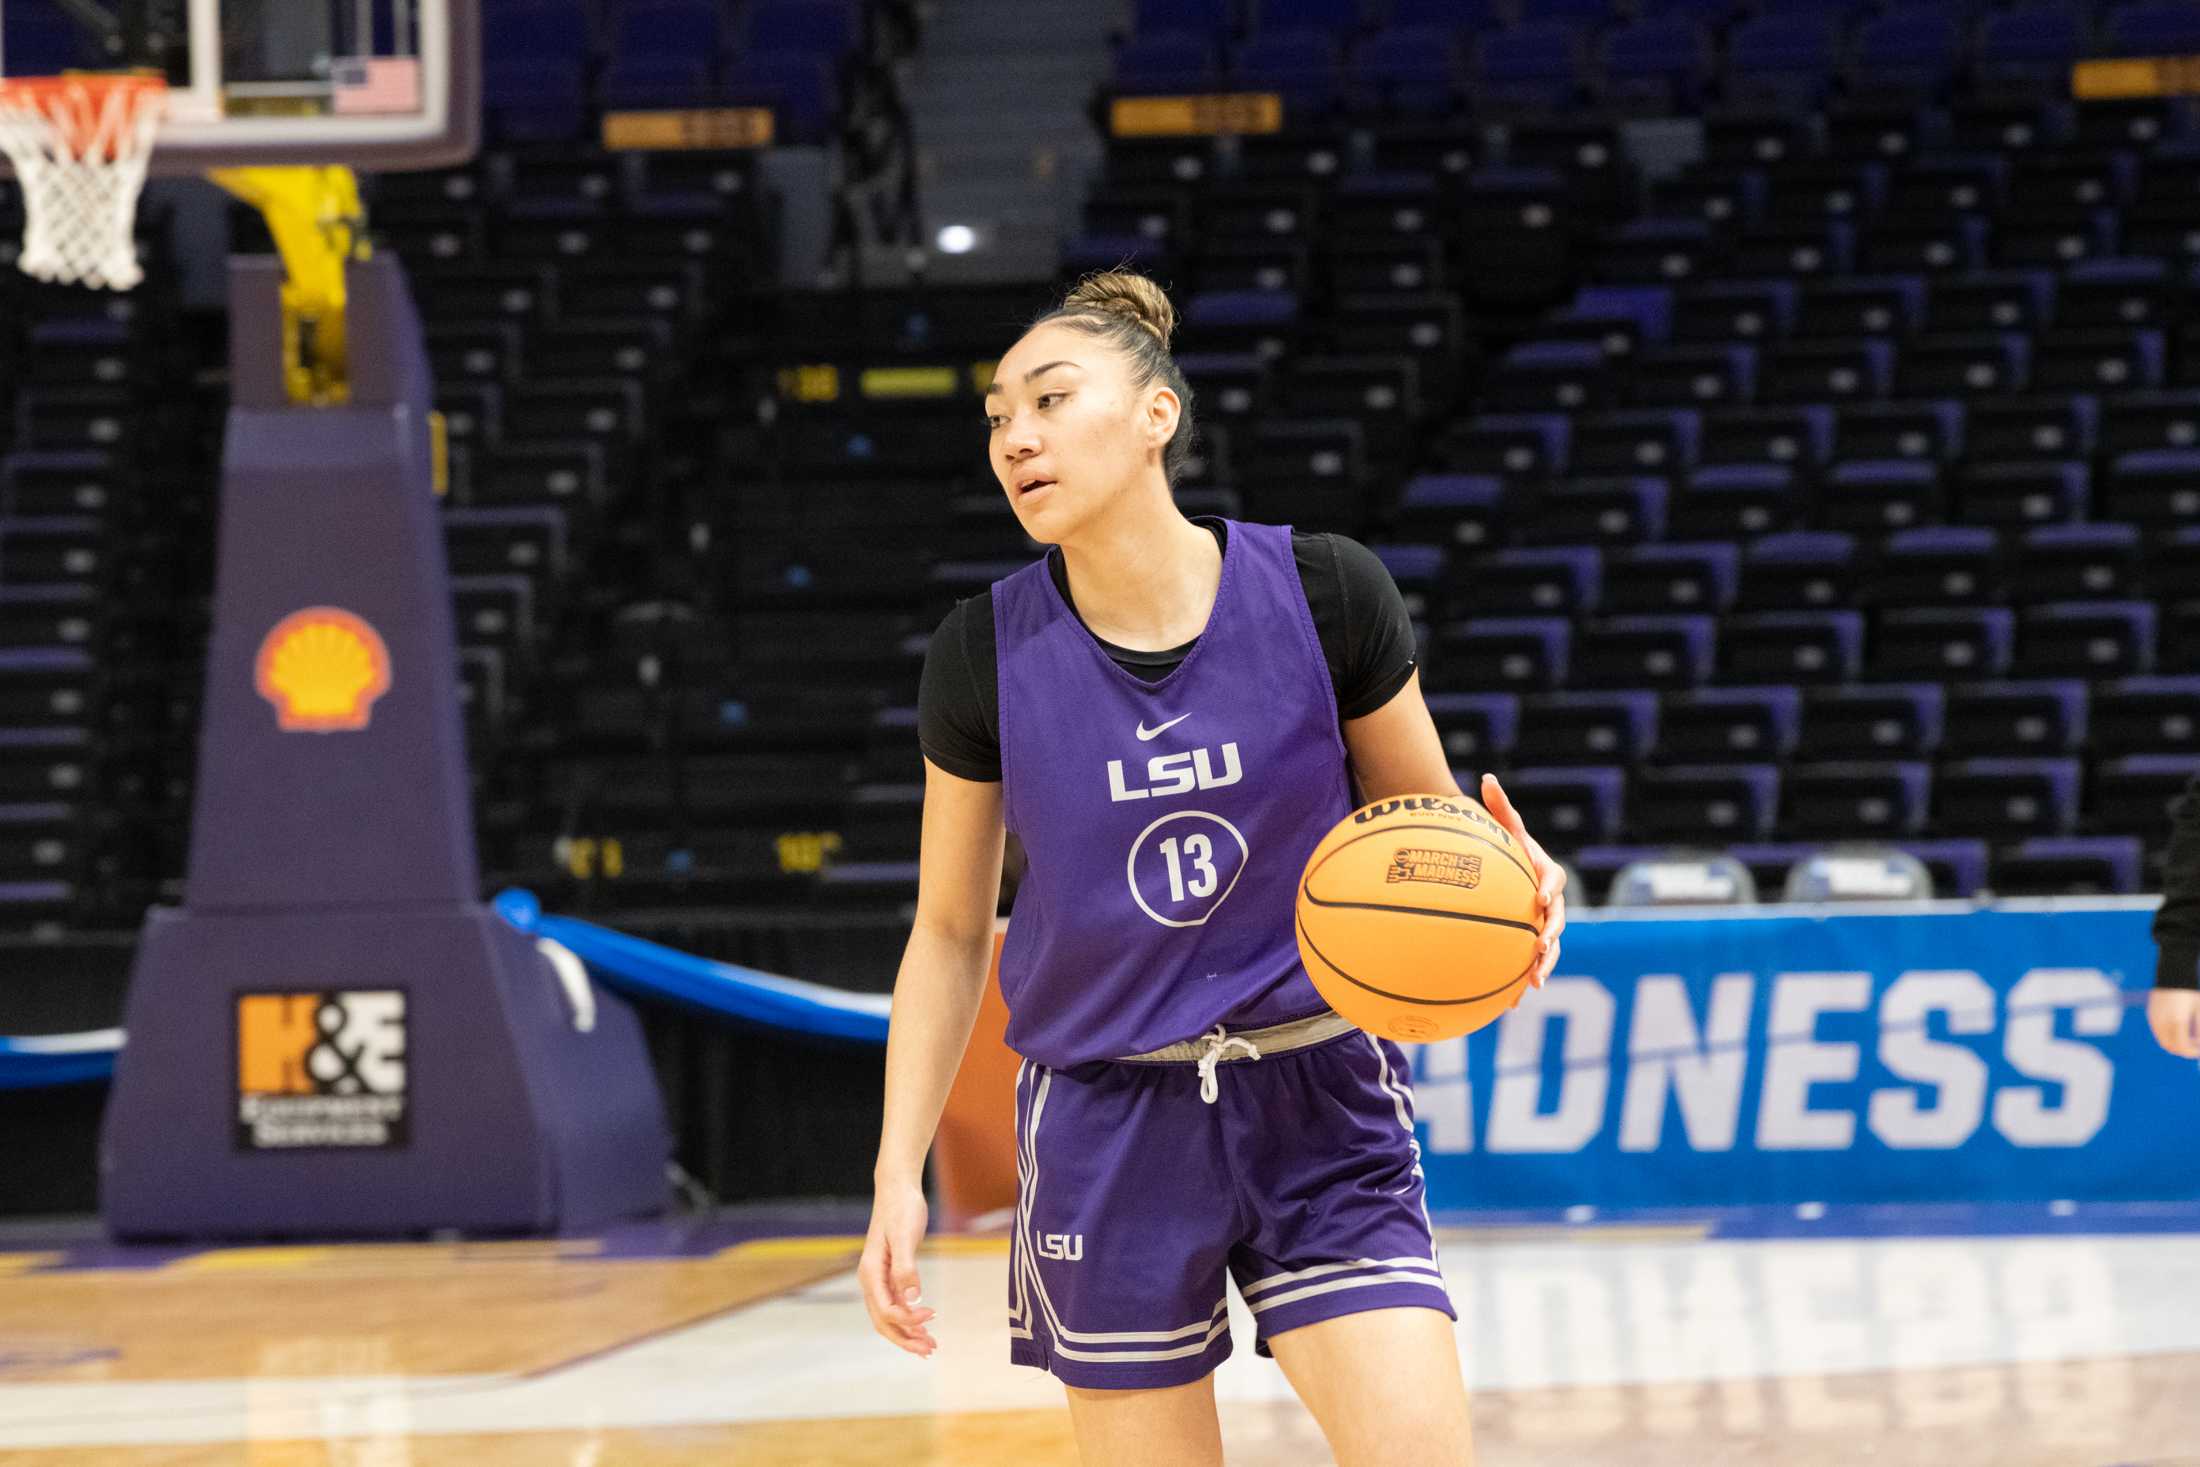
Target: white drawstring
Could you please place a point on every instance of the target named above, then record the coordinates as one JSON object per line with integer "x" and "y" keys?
{"x": 1218, "y": 1050}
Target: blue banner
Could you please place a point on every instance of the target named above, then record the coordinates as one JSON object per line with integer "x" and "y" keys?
{"x": 1996, "y": 1054}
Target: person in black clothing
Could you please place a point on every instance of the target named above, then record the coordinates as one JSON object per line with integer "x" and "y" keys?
{"x": 2173, "y": 1009}
{"x": 1361, "y": 619}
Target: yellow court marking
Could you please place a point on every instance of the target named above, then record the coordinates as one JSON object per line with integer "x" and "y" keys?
{"x": 13, "y": 1263}
{"x": 763, "y": 1248}
{"x": 253, "y": 1260}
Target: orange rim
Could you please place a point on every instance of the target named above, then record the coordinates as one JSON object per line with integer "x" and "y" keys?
{"x": 78, "y": 103}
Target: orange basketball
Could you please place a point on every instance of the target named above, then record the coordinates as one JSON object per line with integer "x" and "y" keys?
{"x": 1418, "y": 919}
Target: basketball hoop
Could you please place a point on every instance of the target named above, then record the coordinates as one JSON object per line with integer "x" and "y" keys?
{"x": 80, "y": 145}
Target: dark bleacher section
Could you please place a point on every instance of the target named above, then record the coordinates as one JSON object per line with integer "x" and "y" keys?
{"x": 1511, "y": 58}
{"x": 551, "y": 65}
{"x": 1843, "y": 482}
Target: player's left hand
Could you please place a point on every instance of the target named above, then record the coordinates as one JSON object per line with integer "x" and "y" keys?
{"x": 1549, "y": 875}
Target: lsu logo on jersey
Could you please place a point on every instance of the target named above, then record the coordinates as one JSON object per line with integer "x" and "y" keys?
{"x": 1062, "y": 1247}
{"x": 1178, "y": 774}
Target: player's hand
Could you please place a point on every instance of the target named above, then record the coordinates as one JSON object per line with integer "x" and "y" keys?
{"x": 2174, "y": 1014}
{"x": 1550, "y": 878}
{"x": 888, "y": 1271}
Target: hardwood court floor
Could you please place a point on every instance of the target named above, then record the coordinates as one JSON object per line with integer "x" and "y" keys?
{"x": 1649, "y": 1347}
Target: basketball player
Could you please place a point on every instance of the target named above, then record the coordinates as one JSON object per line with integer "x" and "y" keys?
{"x": 1170, "y": 713}
{"x": 2173, "y": 1009}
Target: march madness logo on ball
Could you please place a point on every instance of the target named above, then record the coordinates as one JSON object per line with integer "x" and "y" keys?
{"x": 322, "y": 668}
{"x": 1448, "y": 867}
{"x": 322, "y": 1069}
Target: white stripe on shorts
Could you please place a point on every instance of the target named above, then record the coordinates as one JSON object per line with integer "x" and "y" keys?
{"x": 1363, "y": 1281}
{"x": 1275, "y": 1280}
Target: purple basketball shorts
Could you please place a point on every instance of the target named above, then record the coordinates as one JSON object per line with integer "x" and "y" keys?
{"x": 1302, "y": 1181}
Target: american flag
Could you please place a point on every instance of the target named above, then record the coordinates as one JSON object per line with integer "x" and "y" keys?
{"x": 364, "y": 84}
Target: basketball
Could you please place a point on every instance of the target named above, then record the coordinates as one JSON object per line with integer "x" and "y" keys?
{"x": 1418, "y": 918}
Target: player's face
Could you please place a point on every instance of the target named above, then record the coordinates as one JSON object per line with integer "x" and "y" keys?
{"x": 1064, "y": 423}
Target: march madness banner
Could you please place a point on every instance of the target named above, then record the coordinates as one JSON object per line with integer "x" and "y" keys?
{"x": 1942, "y": 1054}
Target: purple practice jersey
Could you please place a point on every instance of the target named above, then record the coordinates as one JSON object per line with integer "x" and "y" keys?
{"x": 1167, "y": 822}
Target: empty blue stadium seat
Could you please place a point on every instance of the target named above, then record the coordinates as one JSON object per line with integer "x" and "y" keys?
{"x": 667, "y": 30}
{"x": 1592, "y": 727}
{"x": 1780, "y": 59}
{"x": 1164, "y": 62}
{"x": 530, "y": 29}
{"x": 1752, "y": 310}
{"x": 1610, "y": 510}
{"x": 1652, "y": 440}
{"x": 1301, "y": 66}
{"x": 1409, "y": 69}
{"x": 2033, "y": 44}
{"x": 2068, "y": 866}
{"x": 1534, "y": 67}
{"x": 1672, "y": 578}
{"x": 831, "y": 28}
{"x": 1876, "y": 494}
{"x": 1210, "y": 18}
{"x": 1849, "y": 799}
{"x": 2146, "y": 715}
{"x": 1915, "y": 51}
{"x": 2159, "y": 486}
{"x": 2006, "y": 798}
{"x": 1873, "y": 720}
{"x": 1557, "y": 579}
{"x": 1576, "y": 805}
{"x": 1456, "y": 509}
{"x": 1516, "y": 652}
{"x": 1646, "y": 651}
{"x": 1793, "y": 646}
{"x": 534, "y": 99}
{"x": 1937, "y": 565}
{"x": 1736, "y": 499}
{"x": 651, "y": 80}
{"x": 1481, "y": 727}
{"x": 2031, "y": 716}
{"x": 1466, "y": 15}
{"x": 1798, "y": 570}
{"x": 1958, "y": 864}
{"x": 1336, "y": 18}
{"x": 1704, "y": 802}
{"x": 1729, "y": 723}
{"x": 2089, "y": 638}
{"x": 2074, "y": 562}
{"x": 1943, "y": 641}
{"x": 2153, "y": 28}
{"x": 1659, "y": 63}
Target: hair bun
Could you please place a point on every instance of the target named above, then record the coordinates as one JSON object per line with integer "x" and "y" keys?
{"x": 1127, "y": 294}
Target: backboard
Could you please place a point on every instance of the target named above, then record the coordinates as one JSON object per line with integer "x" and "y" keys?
{"x": 375, "y": 84}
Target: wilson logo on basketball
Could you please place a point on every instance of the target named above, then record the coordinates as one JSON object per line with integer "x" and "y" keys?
{"x": 1448, "y": 867}
{"x": 322, "y": 668}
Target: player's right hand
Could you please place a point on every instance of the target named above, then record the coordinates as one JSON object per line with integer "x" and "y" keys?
{"x": 2174, "y": 1014}
{"x": 889, "y": 1269}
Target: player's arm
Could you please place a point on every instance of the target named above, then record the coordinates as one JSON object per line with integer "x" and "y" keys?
{"x": 2173, "y": 1009}
{"x": 936, "y": 997}
{"x": 1395, "y": 751}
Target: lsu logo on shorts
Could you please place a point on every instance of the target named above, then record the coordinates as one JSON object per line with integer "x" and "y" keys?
{"x": 321, "y": 1069}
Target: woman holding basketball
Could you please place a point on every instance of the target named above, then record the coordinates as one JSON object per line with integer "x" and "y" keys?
{"x": 1170, "y": 714}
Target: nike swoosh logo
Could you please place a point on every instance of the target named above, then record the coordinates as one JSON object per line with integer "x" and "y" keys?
{"x": 1145, "y": 733}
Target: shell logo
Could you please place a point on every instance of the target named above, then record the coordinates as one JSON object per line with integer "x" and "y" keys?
{"x": 322, "y": 668}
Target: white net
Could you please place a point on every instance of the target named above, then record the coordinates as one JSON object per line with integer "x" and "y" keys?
{"x": 80, "y": 146}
